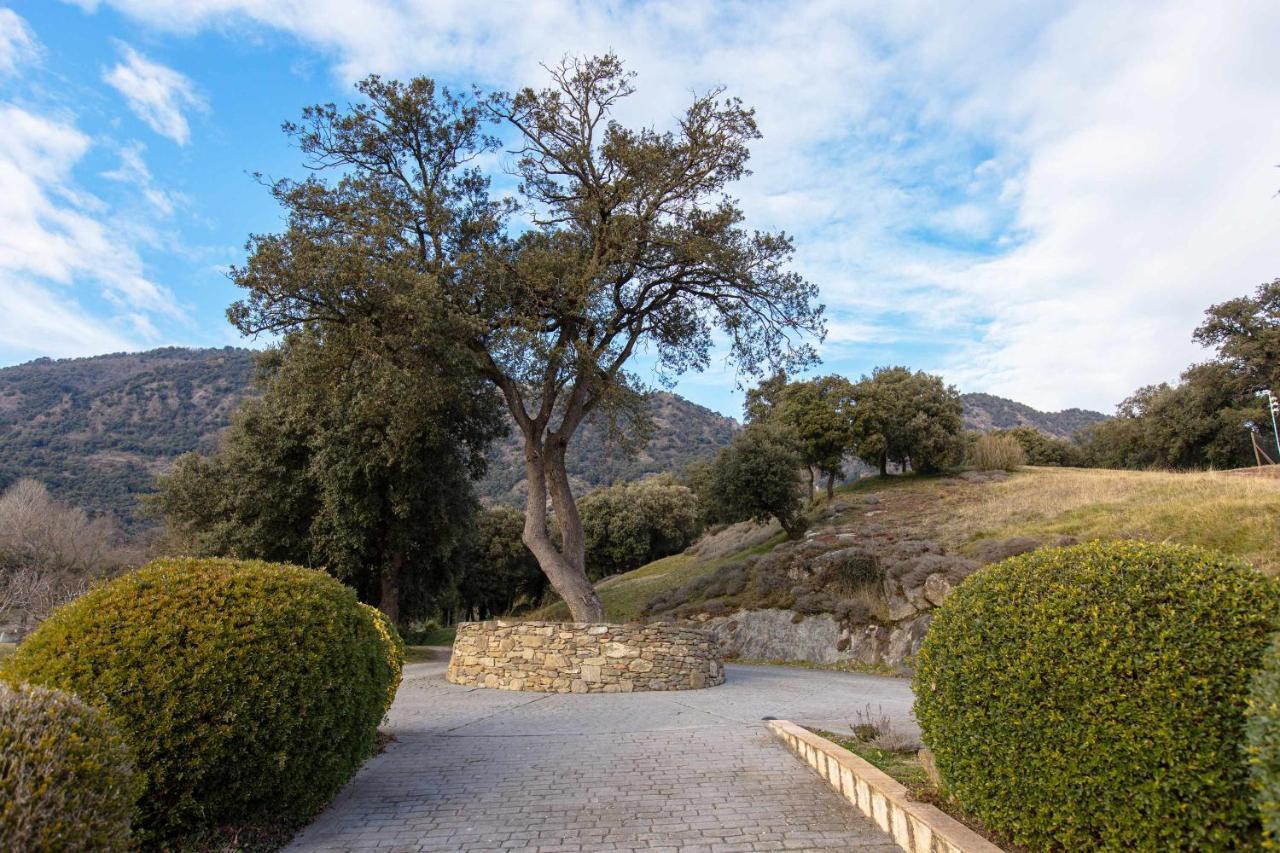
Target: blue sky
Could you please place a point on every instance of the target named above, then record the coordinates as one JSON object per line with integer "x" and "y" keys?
{"x": 1033, "y": 199}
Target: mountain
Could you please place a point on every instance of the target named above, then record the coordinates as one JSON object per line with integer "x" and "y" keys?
{"x": 984, "y": 412}
{"x": 97, "y": 430}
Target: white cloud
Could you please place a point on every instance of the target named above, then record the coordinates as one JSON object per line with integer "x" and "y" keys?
{"x": 1051, "y": 192}
{"x": 133, "y": 172}
{"x": 58, "y": 242}
{"x": 157, "y": 94}
{"x": 18, "y": 44}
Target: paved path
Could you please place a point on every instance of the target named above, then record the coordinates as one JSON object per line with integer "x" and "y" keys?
{"x": 474, "y": 769}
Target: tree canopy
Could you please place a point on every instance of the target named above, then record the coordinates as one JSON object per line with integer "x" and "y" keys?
{"x": 907, "y": 418}
{"x": 345, "y": 462}
{"x": 614, "y": 238}
{"x": 818, "y": 413}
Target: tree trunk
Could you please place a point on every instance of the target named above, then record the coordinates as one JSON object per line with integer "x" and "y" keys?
{"x": 812, "y": 488}
{"x": 389, "y": 600}
{"x": 831, "y": 486}
{"x": 564, "y": 568}
{"x": 884, "y": 464}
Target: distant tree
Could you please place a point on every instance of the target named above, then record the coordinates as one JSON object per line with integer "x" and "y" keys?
{"x": 348, "y": 461}
{"x": 633, "y": 243}
{"x": 1198, "y": 423}
{"x": 496, "y": 571}
{"x": 819, "y": 414}
{"x": 907, "y": 418}
{"x": 630, "y": 524}
{"x": 757, "y": 477}
{"x": 1246, "y": 334}
{"x": 1044, "y": 449}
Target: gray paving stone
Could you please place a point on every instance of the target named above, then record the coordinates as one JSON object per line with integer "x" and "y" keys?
{"x": 480, "y": 770}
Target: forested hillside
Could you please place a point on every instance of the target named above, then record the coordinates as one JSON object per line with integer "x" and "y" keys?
{"x": 985, "y": 412}
{"x": 97, "y": 430}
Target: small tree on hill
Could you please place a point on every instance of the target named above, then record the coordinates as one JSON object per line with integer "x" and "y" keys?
{"x": 633, "y": 243}
{"x": 907, "y": 418}
{"x": 819, "y": 414}
{"x": 757, "y": 477}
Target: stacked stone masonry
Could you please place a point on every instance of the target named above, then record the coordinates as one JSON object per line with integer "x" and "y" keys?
{"x": 564, "y": 657}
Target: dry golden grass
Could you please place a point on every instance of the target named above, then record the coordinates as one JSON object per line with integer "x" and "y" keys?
{"x": 1239, "y": 515}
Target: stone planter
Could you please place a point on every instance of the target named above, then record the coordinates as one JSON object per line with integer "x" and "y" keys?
{"x": 573, "y": 657}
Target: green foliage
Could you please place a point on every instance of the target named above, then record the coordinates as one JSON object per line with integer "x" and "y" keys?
{"x": 818, "y": 414}
{"x": 758, "y": 478}
{"x": 67, "y": 780}
{"x": 992, "y": 452}
{"x": 347, "y": 462}
{"x": 245, "y": 689}
{"x": 392, "y": 650}
{"x": 1246, "y": 334}
{"x": 1093, "y": 697}
{"x": 907, "y": 418}
{"x": 1262, "y": 734}
{"x": 1044, "y": 449}
{"x": 496, "y": 571}
{"x": 630, "y": 524}
{"x": 1198, "y": 423}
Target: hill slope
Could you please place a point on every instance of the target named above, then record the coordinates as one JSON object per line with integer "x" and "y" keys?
{"x": 985, "y": 412}
{"x": 97, "y": 430}
{"x": 971, "y": 516}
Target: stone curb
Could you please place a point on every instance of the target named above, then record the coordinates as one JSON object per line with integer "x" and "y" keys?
{"x": 916, "y": 827}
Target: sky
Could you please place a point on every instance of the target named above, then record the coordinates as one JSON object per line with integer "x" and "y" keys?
{"x": 1032, "y": 199}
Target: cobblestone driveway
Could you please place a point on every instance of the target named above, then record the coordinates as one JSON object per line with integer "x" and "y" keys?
{"x": 474, "y": 769}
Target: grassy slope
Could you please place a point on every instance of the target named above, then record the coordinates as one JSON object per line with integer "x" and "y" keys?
{"x": 1239, "y": 515}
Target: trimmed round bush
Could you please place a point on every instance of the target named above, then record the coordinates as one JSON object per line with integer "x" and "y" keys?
{"x": 1262, "y": 734}
{"x": 67, "y": 780}
{"x": 392, "y": 650}
{"x": 248, "y": 690}
{"x": 1093, "y": 697}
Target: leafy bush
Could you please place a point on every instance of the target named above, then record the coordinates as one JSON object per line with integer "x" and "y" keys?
{"x": 1093, "y": 697}
{"x": 246, "y": 689}
{"x": 990, "y": 452}
{"x": 1262, "y": 734}
{"x": 67, "y": 781}
{"x": 392, "y": 650}
{"x": 630, "y": 524}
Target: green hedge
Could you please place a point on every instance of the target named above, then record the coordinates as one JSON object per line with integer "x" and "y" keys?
{"x": 1262, "y": 734}
{"x": 1093, "y": 697}
{"x": 67, "y": 780}
{"x": 248, "y": 690}
{"x": 392, "y": 651}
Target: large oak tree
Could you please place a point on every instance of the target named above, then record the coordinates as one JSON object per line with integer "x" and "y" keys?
{"x": 612, "y": 240}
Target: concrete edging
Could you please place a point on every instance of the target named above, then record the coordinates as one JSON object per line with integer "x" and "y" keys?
{"x": 916, "y": 827}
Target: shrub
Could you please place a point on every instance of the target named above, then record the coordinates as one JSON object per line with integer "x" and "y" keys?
{"x": 1093, "y": 697}
{"x": 991, "y": 452}
{"x": 392, "y": 650}
{"x": 757, "y": 477}
{"x": 247, "y": 689}
{"x": 1262, "y": 734}
{"x": 67, "y": 780}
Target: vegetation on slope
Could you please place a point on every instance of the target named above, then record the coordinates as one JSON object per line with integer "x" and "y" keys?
{"x": 1235, "y": 514}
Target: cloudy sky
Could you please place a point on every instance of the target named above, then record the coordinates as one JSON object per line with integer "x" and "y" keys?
{"x": 1036, "y": 200}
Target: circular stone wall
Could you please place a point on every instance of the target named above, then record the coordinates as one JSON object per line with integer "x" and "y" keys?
{"x": 568, "y": 657}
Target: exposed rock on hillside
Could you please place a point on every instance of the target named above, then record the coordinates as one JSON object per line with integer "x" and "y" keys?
{"x": 857, "y": 588}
